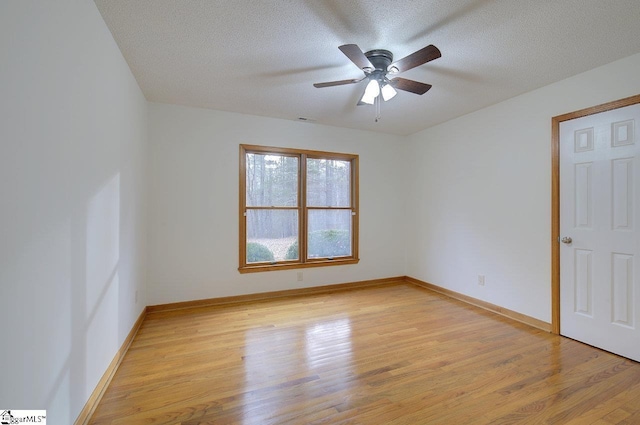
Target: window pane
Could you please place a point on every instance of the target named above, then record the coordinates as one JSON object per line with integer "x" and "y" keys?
{"x": 328, "y": 183}
{"x": 329, "y": 233}
{"x": 272, "y": 180}
{"x": 272, "y": 235}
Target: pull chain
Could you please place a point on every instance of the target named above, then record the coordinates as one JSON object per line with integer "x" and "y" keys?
{"x": 377, "y": 101}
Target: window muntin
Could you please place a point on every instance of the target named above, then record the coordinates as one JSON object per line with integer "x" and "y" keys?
{"x": 297, "y": 208}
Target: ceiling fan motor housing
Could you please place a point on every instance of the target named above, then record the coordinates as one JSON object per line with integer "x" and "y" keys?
{"x": 380, "y": 59}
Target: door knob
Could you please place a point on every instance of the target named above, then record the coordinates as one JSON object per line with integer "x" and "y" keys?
{"x": 567, "y": 240}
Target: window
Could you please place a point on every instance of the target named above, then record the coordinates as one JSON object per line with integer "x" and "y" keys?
{"x": 298, "y": 208}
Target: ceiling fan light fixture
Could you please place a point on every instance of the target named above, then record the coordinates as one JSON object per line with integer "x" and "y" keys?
{"x": 376, "y": 64}
{"x": 371, "y": 92}
{"x": 388, "y": 92}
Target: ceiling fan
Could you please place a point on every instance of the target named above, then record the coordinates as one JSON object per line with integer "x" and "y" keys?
{"x": 377, "y": 66}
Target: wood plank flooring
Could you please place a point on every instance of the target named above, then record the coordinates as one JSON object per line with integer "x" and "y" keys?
{"x": 390, "y": 354}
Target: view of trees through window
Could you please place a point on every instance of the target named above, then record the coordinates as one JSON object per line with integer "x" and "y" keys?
{"x": 271, "y": 187}
{"x": 280, "y": 203}
{"x": 329, "y": 208}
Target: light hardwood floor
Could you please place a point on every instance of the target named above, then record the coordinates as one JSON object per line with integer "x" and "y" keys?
{"x": 390, "y": 354}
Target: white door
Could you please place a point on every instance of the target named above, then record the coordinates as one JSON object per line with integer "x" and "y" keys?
{"x": 599, "y": 220}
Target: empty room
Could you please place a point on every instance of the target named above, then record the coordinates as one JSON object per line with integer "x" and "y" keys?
{"x": 320, "y": 212}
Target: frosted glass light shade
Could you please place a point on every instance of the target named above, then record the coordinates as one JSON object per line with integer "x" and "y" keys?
{"x": 371, "y": 92}
{"x": 388, "y": 92}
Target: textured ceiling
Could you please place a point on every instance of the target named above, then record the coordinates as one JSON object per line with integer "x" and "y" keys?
{"x": 262, "y": 57}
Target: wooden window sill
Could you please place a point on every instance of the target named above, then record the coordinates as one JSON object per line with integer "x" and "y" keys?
{"x": 289, "y": 266}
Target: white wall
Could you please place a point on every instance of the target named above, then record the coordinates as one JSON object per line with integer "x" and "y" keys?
{"x": 193, "y": 231}
{"x": 480, "y": 189}
{"x": 72, "y": 189}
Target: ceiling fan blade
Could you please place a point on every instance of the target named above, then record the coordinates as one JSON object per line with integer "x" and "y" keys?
{"x": 355, "y": 54}
{"x": 337, "y": 83}
{"x": 418, "y": 58}
{"x": 410, "y": 85}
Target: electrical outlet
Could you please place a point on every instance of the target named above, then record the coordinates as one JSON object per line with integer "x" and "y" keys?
{"x": 300, "y": 277}
{"x": 481, "y": 279}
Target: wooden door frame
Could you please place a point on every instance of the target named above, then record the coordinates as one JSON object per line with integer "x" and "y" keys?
{"x": 555, "y": 195}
